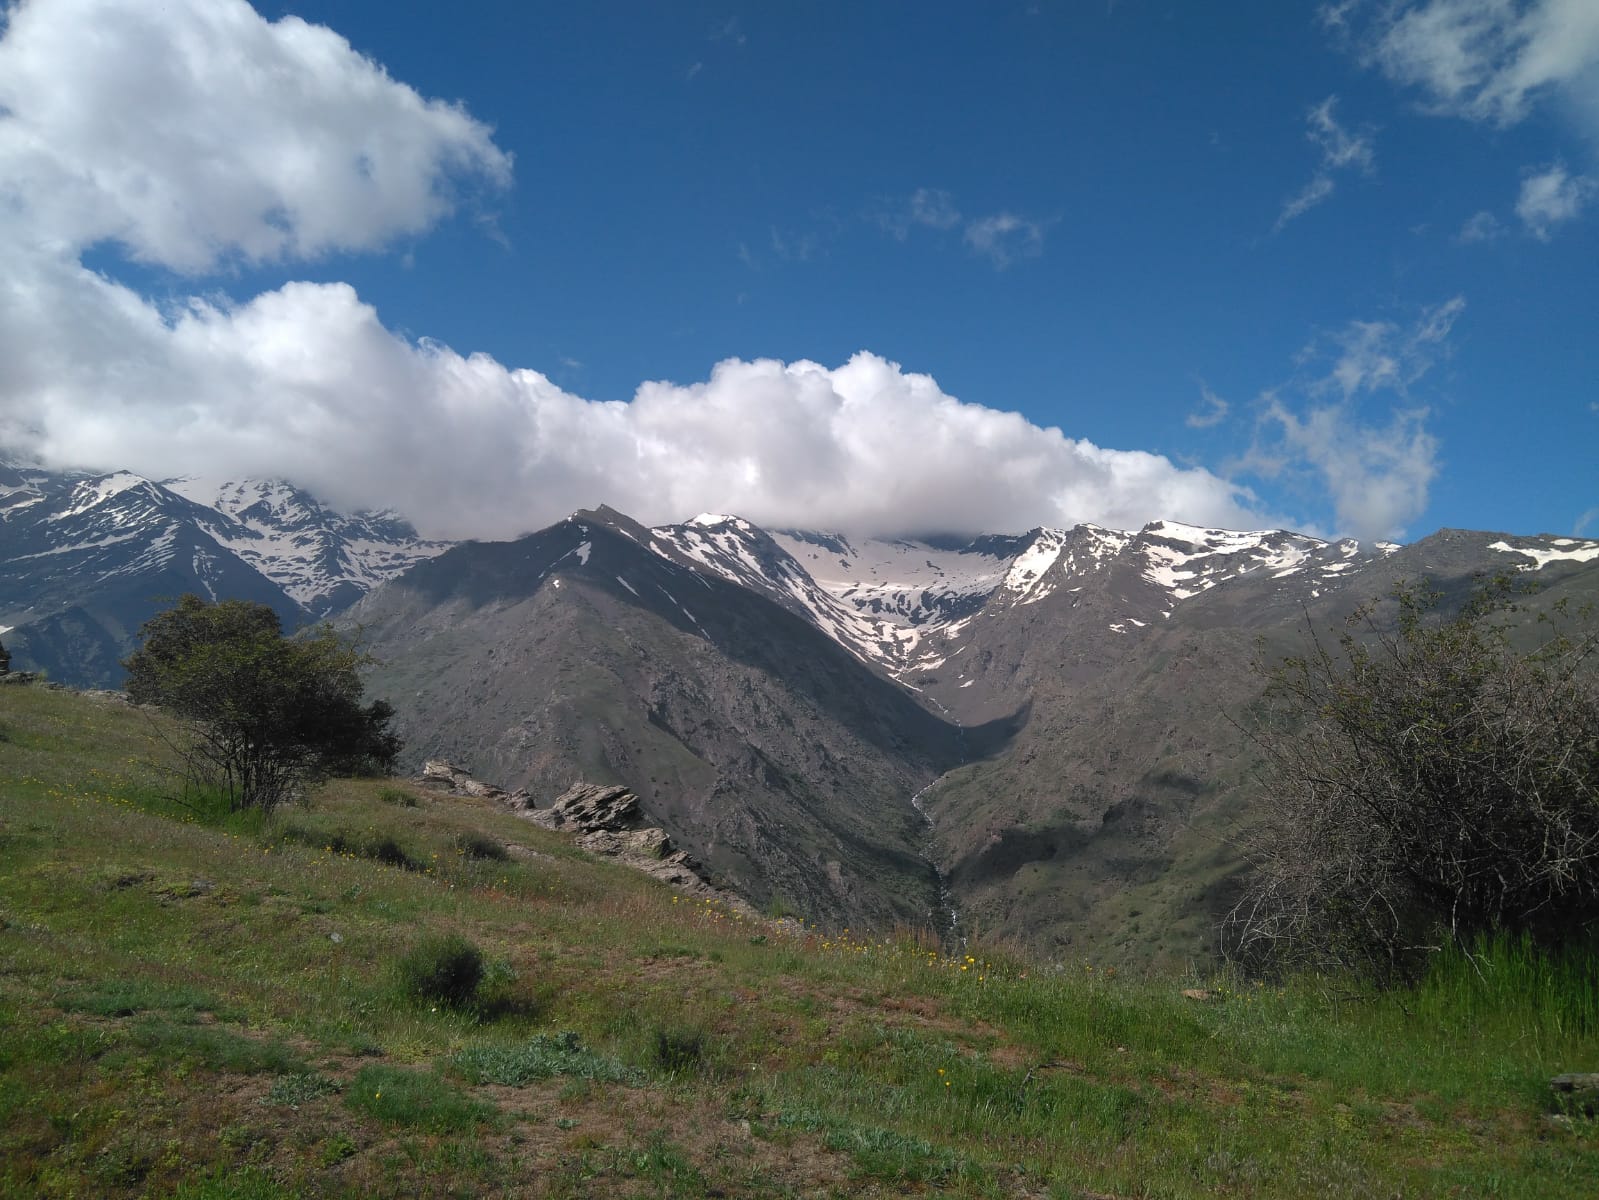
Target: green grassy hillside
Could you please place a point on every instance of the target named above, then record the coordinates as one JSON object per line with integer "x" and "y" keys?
{"x": 195, "y": 1006}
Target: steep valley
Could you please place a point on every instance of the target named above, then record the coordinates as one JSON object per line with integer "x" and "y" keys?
{"x": 1045, "y": 733}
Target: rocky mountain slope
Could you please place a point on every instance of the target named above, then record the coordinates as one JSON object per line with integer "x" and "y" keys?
{"x": 86, "y": 558}
{"x": 1063, "y": 705}
{"x": 1035, "y": 735}
{"x": 774, "y": 756}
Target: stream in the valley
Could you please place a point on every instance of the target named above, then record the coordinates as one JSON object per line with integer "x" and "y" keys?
{"x": 946, "y": 917}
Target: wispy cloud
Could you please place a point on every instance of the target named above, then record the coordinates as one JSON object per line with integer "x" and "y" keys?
{"x": 1341, "y": 150}
{"x": 1375, "y": 463}
{"x": 1213, "y": 412}
{"x": 795, "y": 246}
{"x": 1002, "y": 237}
{"x": 1550, "y": 197}
{"x": 927, "y": 208}
{"x": 1480, "y": 227}
{"x": 1489, "y": 60}
{"x": 730, "y": 30}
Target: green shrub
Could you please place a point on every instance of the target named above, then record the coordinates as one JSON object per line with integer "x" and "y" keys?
{"x": 379, "y": 847}
{"x": 477, "y": 845}
{"x": 300, "y": 1088}
{"x": 399, "y": 796}
{"x": 543, "y": 1057}
{"x": 414, "y": 1098}
{"x": 390, "y": 853}
{"x": 270, "y": 714}
{"x": 446, "y": 970}
{"x": 678, "y": 1050}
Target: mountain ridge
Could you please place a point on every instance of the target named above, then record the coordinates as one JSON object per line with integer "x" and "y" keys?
{"x": 87, "y": 557}
{"x": 1037, "y": 730}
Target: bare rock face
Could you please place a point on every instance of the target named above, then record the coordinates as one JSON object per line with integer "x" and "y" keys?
{"x": 441, "y": 776}
{"x": 607, "y": 820}
{"x": 591, "y": 808}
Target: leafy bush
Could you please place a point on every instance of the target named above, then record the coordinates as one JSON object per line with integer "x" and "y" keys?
{"x": 445, "y": 970}
{"x": 270, "y": 713}
{"x": 678, "y": 1050}
{"x": 481, "y": 846}
{"x": 1427, "y": 784}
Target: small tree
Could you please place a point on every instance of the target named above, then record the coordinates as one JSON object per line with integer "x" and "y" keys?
{"x": 1424, "y": 781}
{"x": 271, "y": 714}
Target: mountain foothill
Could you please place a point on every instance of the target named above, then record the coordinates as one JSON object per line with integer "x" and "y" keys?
{"x": 1036, "y": 736}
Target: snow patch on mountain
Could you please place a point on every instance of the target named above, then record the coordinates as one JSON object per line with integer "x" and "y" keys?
{"x": 1549, "y": 551}
{"x": 321, "y": 558}
{"x": 1185, "y": 560}
{"x": 906, "y": 605}
{"x": 91, "y": 493}
{"x": 1030, "y": 566}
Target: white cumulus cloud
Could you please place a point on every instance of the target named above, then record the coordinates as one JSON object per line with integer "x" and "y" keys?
{"x": 306, "y": 382}
{"x": 196, "y": 136}
{"x": 194, "y": 131}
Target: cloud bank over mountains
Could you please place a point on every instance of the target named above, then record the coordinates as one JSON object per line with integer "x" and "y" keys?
{"x": 195, "y": 137}
{"x": 197, "y": 134}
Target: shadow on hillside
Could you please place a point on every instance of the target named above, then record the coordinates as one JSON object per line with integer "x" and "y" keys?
{"x": 743, "y": 625}
{"x": 994, "y": 737}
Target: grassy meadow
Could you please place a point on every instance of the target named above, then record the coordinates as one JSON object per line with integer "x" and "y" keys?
{"x": 196, "y": 1004}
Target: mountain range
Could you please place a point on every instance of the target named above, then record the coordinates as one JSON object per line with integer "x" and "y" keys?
{"x": 1035, "y": 736}
{"x": 86, "y": 558}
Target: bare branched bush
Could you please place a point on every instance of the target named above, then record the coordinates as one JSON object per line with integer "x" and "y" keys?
{"x": 1425, "y": 782}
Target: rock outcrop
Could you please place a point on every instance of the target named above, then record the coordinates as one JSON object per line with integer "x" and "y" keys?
{"x": 440, "y": 776}
{"x": 607, "y": 819}
{"x": 604, "y": 818}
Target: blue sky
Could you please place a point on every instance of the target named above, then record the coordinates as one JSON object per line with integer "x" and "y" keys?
{"x": 1327, "y": 266}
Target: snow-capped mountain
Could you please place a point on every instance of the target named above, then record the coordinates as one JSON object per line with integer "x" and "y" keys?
{"x": 324, "y": 560}
{"x": 778, "y": 698}
{"x": 86, "y": 558}
{"x": 905, "y": 605}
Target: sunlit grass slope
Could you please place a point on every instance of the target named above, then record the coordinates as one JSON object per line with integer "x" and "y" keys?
{"x": 199, "y": 1006}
